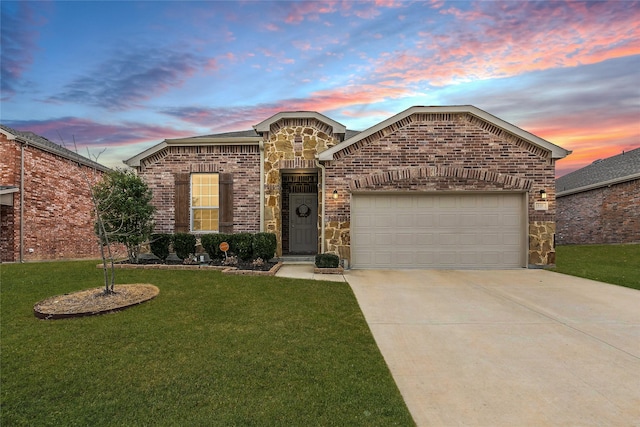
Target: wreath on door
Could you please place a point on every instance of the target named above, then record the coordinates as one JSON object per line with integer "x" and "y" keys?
{"x": 303, "y": 211}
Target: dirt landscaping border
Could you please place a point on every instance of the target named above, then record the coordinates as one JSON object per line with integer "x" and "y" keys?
{"x": 222, "y": 269}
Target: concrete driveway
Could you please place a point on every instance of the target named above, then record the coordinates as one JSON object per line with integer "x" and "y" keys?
{"x": 506, "y": 348}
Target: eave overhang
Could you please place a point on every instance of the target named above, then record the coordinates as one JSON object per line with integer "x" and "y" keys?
{"x": 192, "y": 142}
{"x": 556, "y": 151}
{"x": 265, "y": 125}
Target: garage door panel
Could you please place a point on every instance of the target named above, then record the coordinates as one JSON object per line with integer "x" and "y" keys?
{"x": 447, "y": 220}
{"x": 424, "y": 220}
{"x": 490, "y": 201}
{"x": 511, "y": 220}
{"x": 405, "y": 221}
{"x": 384, "y": 221}
{"x": 438, "y": 231}
{"x": 425, "y": 202}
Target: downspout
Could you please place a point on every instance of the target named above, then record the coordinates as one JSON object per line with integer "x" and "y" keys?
{"x": 324, "y": 202}
{"x": 23, "y": 144}
{"x": 261, "y": 145}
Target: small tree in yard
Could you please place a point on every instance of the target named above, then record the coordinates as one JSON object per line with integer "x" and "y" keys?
{"x": 124, "y": 209}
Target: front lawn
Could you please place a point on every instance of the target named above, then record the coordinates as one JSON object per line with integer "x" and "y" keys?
{"x": 209, "y": 350}
{"x": 617, "y": 264}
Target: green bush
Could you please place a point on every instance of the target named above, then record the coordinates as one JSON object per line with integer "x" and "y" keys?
{"x": 211, "y": 244}
{"x": 241, "y": 245}
{"x": 327, "y": 261}
{"x": 159, "y": 244}
{"x": 264, "y": 246}
{"x": 184, "y": 244}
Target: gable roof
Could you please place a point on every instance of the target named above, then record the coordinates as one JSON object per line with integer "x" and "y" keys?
{"x": 556, "y": 151}
{"x": 601, "y": 173}
{"x": 265, "y": 125}
{"x": 245, "y": 137}
{"x": 44, "y": 144}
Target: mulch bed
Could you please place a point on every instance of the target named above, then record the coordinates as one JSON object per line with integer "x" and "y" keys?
{"x": 268, "y": 269}
{"x": 90, "y": 302}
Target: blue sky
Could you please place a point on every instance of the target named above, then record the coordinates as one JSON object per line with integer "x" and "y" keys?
{"x": 123, "y": 75}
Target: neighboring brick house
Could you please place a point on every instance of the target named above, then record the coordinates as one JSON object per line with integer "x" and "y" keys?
{"x": 45, "y": 207}
{"x": 431, "y": 187}
{"x": 600, "y": 203}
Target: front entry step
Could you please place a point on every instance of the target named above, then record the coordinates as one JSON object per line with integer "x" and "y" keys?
{"x": 298, "y": 259}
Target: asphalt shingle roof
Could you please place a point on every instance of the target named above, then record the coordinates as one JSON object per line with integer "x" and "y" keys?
{"x": 46, "y": 145}
{"x": 601, "y": 171}
{"x": 252, "y": 133}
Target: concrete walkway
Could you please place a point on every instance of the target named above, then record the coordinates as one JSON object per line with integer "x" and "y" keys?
{"x": 305, "y": 271}
{"x": 506, "y": 348}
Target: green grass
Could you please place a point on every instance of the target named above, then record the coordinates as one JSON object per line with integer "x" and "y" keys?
{"x": 210, "y": 350}
{"x": 616, "y": 264}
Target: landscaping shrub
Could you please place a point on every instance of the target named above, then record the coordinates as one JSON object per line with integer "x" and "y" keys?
{"x": 327, "y": 261}
{"x": 184, "y": 244}
{"x": 241, "y": 245}
{"x": 264, "y": 245}
{"x": 211, "y": 244}
{"x": 159, "y": 244}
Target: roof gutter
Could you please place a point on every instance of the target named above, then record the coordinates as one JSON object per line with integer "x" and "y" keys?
{"x": 22, "y": 147}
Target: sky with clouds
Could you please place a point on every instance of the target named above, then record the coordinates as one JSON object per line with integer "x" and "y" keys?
{"x": 124, "y": 75}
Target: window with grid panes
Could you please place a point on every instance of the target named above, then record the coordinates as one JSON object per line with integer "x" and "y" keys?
{"x": 205, "y": 201}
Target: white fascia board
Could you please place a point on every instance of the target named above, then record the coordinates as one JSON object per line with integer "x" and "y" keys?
{"x": 212, "y": 140}
{"x": 264, "y": 125}
{"x": 599, "y": 185}
{"x": 191, "y": 142}
{"x": 135, "y": 160}
{"x": 556, "y": 152}
{"x": 9, "y": 135}
{"x": 9, "y": 190}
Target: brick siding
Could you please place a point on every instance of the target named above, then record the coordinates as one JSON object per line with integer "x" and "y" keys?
{"x": 448, "y": 153}
{"x": 159, "y": 170}
{"x": 58, "y": 219}
{"x": 599, "y": 216}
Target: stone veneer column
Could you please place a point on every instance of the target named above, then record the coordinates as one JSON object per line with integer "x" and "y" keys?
{"x": 292, "y": 144}
{"x": 541, "y": 245}
{"x": 338, "y": 238}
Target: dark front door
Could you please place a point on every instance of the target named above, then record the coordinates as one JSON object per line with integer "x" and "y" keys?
{"x": 303, "y": 223}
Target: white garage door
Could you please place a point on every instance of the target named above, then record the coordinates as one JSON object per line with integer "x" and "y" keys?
{"x": 438, "y": 231}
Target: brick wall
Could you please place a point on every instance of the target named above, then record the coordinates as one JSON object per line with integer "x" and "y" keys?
{"x": 159, "y": 171}
{"x": 58, "y": 221}
{"x": 441, "y": 152}
{"x": 602, "y": 215}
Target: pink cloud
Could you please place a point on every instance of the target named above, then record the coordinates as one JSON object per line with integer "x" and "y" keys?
{"x": 233, "y": 119}
{"x": 89, "y": 133}
{"x": 507, "y": 39}
{"x": 588, "y": 139}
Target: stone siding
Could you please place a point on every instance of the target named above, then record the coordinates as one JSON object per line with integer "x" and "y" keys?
{"x": 441, "y": 152}
{"x": 159, "y": 170}
{"x": 600, "y": 216}
{"x": 58, "y": 213}
{"x": 291, "y": 144}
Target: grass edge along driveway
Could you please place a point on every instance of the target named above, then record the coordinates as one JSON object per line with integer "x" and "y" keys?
{"x": 209, "y": 350}
{"x": 615, "y": 264}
